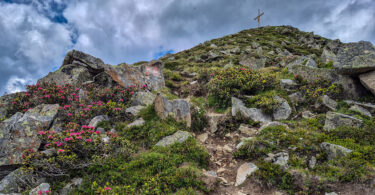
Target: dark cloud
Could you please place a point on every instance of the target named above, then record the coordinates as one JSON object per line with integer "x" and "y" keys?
{"x": 42, "y": 31}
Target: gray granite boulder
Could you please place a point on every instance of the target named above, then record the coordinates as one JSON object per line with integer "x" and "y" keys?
{"x": 244, "y": 171}
{"x": 178, "y": 137}
{"x": 334, "y": 120}
{"x": 283, "y": 111}
{"x": 98, "y": 119}
{"x": 329, "y": 103}
{"x": 250, "y": 61}
{"x": 179, "y": 109}
{"x": 142, "y": 98}
{"x": 334, "y": 151}
{"x": 254, "y": 114}
{"x": 19, "y": 180}
{"x": 355, "y": 58}
{"x": 368, "y": 80}
{"x": 361, "y": 110}
{"x": 287, "y": 84}
{"x": 20, "y": 132}
{"x": 134, "y": 110}
{"x": 352, "y": 87}
{"x": 136, "y": 123}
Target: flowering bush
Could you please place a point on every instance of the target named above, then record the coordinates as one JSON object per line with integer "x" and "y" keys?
{"x": 75, "y": 148}
{"x": 236, "y": 81}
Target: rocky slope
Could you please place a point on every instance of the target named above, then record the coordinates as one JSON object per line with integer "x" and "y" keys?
{"x": 272, "y": 110}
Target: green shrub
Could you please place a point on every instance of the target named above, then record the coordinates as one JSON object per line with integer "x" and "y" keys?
{"x": 237, "y": 81}
{"x": 198, "y": 119}
{"x": 155, "y": 172}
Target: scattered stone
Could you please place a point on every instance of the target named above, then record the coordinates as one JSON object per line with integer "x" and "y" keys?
{"x": 283, "y": 111}
{"x": 244, "y": 171}
{"x": 178, "y": 137}
{"x": 304, "y": 61}
{"x": 75, "y": 183}
{"x": 329, "y": 103}
{"x": 250, "y": 61}
{"x": 287, "y": 84}
{"x": 272, "y": 124}
{"x": 20, "y": 132}
{"x": 142, "y": 98}
{"x": 334, "y": 151}
{"x": 203, "y": 137}
{"x": 368, "y": 80}
{"x": 247, "y": 130}
{"x": 355, "y": 58}
{"x": 134, "y": 110}
{"x": 19, "y": 180}
{"x": 213, "y": 121}
{"x": 308, "y": 114}
{"x": 210, "y": 179}
{"x": 281, "y": 159}
{"x": 82, "y": 95}
{"x": 249, "y": 113}
{"x": 136, "y": 123}
{"x": 210, "y": 56}
{"x": 98, "y": 119}
{"x": 361, "y": 110}
{"x": 368, "y": 106}
{"x": 296, "y": 98}
{"x": 179, "y": 109}
{"x": 213, "y": 45}
{"x": 334, "y": 120}
{"x": 312, "y": 162}
{"x": 43, "y": 188}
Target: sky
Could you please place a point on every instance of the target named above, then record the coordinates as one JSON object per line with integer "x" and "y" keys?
{"x": 35, "y": 35}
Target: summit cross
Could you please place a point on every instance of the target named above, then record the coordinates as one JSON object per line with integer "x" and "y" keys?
{"x": 258, "y": 17}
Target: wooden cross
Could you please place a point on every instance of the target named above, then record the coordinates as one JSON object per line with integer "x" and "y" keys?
{"x": 258, "y": 17}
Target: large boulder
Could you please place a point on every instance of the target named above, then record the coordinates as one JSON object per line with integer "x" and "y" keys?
{"x": 77, "y": 68}
{"x": 213, "y": 120}
{"x": 334, "y": 151}
{"x": 149, "y": 74}
{"x": 368, "y": 80}
{"x": 179, "y": 109}
{"x": 283, "y": 111}
{"x": 80, "y": 68}
{"x": 254, "y": 114}
{"x": 334, "y": 120}
{"x": 355, "y": 58}
{"x": 19, "y": 180}
{"x": 352, "y": 86}
{"x": 304, "y": 61}
{"x": 178, "y": 137}
{"x": 142, "y": 98}
{"x": 250, "y": 61}
{"x": 19, "y": 132}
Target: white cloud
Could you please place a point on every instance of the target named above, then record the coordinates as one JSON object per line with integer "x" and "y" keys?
{"x": 30, "y": 45}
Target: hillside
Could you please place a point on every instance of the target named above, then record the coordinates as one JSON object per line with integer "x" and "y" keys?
{"x": 272, "y": 110}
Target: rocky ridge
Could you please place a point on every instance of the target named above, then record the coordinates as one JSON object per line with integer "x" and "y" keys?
{"x": 265, "y": 111}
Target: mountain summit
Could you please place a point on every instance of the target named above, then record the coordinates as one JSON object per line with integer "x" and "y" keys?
{"x": 271, "y": 110}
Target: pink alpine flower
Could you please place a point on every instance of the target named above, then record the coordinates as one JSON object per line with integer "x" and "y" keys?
{"x": 42, "y": 132}
{"x": 97, "y": 132}
{"x": 50, "y": 137}
{"x": 70, "y": 114}
{"x": 117, "y": 109}
{"x": 47, "y": 96}
{"x": 60, "y": 150}
{"x": 48, "y": 191}
{"x": 107, "y": 188}
{"x": 89, "y": 140}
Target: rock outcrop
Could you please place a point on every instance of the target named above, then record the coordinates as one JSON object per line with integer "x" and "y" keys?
{"x": 254, "y": 114}
{"x": 79, "y": 68}
{"x": 19, "y": 132}
{"x": 355, "y": 58}
{"x": 178, "y": 109}
{"x": 334, "y": 120}
{"x": 178, "y": 137}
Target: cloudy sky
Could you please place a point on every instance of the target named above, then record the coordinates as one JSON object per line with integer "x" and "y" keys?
{"x": 36, "y": 34}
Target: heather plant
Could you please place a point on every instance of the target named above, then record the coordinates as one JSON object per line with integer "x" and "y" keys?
{"x": 237, "y": 81}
